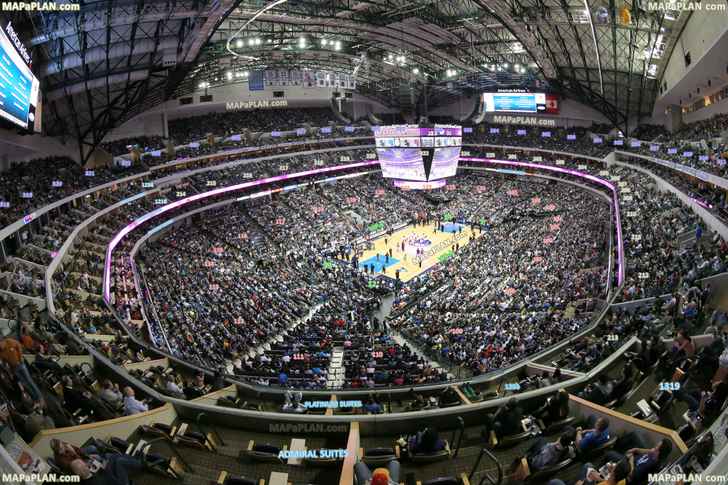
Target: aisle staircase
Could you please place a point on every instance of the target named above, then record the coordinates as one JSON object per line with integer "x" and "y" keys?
{"x": 336, "y": 369}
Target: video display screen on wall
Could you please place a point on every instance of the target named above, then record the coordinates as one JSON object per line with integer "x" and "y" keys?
{"x": 519, "y": 103}
{"x": 19, "y": 88}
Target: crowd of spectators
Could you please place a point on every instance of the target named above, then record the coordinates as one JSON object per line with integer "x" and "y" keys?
{"x": 572, "y": 140}
{"x": 658, "y": 260}
{"x": 222, "y": 292}
{"x": 31, "y": 185}
{"x": 650, "y": 132}
{"x": 712, "y": 127}
{"x": 236, "y": 122}
{"x": 505, "y": 295}
{"x": 709, "y": 156}
{"x": 124, "y": 145}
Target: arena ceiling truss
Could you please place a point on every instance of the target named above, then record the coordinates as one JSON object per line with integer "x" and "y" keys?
{"x": 114, "y": 59}
{"x": 119, "y": 57}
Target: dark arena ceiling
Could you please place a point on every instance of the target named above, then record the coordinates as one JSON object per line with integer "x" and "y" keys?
{"x": 117, "y": 58}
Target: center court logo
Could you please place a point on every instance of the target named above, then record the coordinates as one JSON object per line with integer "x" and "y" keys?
{"x": 417, "y": 241}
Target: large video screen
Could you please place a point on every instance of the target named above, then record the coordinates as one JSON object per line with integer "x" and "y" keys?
{"x": 402, "y": 163}
{"x": 519, "y": 102}
{"x": 444, "y": 162}
{"x": 19, "y": 88}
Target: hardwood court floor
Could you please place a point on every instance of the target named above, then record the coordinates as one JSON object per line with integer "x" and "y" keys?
{"x": 440, "y": 243}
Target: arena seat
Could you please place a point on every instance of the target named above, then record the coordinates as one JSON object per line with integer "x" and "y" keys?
{"x": 264, "y": 453}
{"x": 508, "y": 441}
{"x": 599, "y": 450}
{"x": 549, "y": 471}
{"x": 443, "y": 454}
{"x": 226, "y": 479}
{"x": 379, "y": 456}
{"x": 556, "y": 426}
{"x": 462, "y": 480}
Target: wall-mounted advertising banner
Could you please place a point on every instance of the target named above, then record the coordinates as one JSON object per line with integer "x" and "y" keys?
{"x": 256, "y": 104}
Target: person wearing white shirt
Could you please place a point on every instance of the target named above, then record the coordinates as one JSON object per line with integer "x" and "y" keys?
{"x": 131, "y": 404}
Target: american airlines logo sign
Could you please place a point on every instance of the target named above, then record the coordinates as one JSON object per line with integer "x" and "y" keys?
{"x": 18, "y": 43}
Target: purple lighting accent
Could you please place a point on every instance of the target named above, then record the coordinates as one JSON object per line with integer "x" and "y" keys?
{"x": 610, "y": 186}
{"x": 193, "y": 198}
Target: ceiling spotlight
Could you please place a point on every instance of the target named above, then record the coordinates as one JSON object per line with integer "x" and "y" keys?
{"x": 251, "y": 42}
{"x": 239, "y": 43}
{"x": 229, "y": 75}
{"x": 245, "y": 73}
{"x": 517, "y": 67}
{"x": 505, "y": 66}
{"x": 415, "y": 71}
{"x": 258, "y": 41}
{"x": 269, "y": 41}
{"x": 337, "y": 45}
{"x": 323, "y": 41}
{"x": 301, "y": 42}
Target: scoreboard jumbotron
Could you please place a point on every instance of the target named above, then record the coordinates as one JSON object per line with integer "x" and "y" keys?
{"x": 418, "y": 157}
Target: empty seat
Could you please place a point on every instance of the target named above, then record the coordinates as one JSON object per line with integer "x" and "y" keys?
{"x": 379, "y": 456}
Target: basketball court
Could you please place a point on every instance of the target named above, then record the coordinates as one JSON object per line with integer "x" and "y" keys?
{"x": 413, "y": 244}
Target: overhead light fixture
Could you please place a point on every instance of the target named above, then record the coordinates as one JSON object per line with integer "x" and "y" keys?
{"x": 258, "y": 41}
{"x": 229, "y": 75}
{"x": 251, "y": 42}
{"x": 415, "y": 71}
{"x": 337, "y": 45}
{"x": 301, "y": 42}
{"x": 239, "y": 43}
{"x": 323, "y": 41}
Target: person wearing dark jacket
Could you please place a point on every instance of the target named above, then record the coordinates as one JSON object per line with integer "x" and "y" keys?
{"x": 506, "y": 421}
{"x": 555, "y": 408}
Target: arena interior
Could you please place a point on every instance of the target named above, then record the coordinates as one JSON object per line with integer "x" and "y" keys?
{"x": 364, "y": 242}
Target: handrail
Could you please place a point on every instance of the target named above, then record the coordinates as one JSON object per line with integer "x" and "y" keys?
{"x": 198, "y": 420}
{"x": 686, "y": 169}
{"x": 58, "y": 260}
{"x": 461, "y": 428}
{"x": 486, "y": 476}
{"x": 243, "y": 150}
{"x": 33, "y": 215}
{"x": 8, "y": 230}
{"x": 707, "y": 216}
